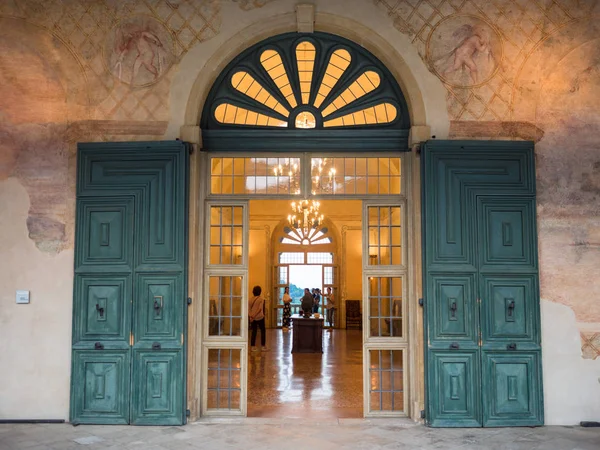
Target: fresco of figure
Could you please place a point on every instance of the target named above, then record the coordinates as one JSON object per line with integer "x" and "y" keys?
{"x": 148, "y": 50}
{"x": 472, "y": 40}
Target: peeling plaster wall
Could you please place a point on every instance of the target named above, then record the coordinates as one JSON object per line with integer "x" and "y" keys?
{"x": 83, "y": 70}
{"x": 35, "y": 338}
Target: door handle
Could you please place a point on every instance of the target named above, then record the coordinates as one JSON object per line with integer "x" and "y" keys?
{"x": 453, "y": 309}
{"x": 100, "y": 310}
{"x": 511, "y": 308}
{"x": 156, "y": 346}
{"x": 454, "y": 346}
{"x": 157, "y": 307}
{"x": 511, "y": 346}
{"x": 99, "y": 346}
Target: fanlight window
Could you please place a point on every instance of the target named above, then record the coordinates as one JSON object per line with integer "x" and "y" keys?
{"x": 308, "y": 83}
{"x": 311, "y": 236}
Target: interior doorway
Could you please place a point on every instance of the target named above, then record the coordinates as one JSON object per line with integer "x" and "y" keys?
{"x": 324, "y": 385}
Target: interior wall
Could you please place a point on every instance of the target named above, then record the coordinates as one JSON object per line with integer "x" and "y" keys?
{"x": 344, "y": 215}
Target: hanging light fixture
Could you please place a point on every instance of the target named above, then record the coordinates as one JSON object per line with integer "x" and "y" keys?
{"x": 305, "y": 214}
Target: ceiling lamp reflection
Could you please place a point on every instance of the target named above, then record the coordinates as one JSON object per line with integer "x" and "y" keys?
{"x": 367, "y": 82}
{"x": 338, "y": 63}
{"x": 271, "y": 61}
{"x": 230, "y": 114}
{"x": 378, "y": 114}
{"x": 246, "y": 84}
{"x": 305, "y": 56}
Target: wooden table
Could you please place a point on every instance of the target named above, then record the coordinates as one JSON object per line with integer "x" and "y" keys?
{"x": 307, "y": 334}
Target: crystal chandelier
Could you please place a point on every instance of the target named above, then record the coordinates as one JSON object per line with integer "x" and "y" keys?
{"x": 305, "y": 214}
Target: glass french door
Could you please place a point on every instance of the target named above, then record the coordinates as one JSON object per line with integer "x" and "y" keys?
{"x": 225, "y": 309}
{"x": 330, "y": 280}
{"x": 281, "y": 281}
{"x": 385, "y": 338}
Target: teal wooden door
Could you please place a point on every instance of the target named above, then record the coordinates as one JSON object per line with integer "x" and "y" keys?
{"x": 480, "y": 269}
{"x": 129, "y": 307}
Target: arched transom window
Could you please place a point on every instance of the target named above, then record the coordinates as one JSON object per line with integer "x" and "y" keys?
{"x": 301, "y": 82}
{"x": 306, "y": 236}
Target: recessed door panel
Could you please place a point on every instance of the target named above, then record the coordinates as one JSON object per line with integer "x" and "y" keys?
{"x": 508, "y": 307}
{"x": 454, "y": 308}
{"x": 100, "y": 392}
{"x": 506, "y": 233}
{"x": 455, "y": 376}
{"x": 105, "y": 237}
{"x": 102, "y": 308}
{"x": 157, "y": 387}
{"x": 158, "y": 304}
{"x": 511, "y": 389}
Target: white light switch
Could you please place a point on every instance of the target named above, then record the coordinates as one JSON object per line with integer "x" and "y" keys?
{"x": 22, "y": 296}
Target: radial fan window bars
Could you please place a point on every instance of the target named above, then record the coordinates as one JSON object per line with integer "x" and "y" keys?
{"x": 313, "y": 82}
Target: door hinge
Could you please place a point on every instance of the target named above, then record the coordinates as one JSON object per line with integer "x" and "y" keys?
{"x": 189, "y": 300}
{"x": 188, "y": 413}
{"x": 480, "y": 338}
{"x": 422, "y": 414}
{"x": 131, "y": 339}
{"x": 421, "y": 301}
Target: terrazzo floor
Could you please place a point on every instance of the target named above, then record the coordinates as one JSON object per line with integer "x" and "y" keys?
{"x": 307, "y": 385}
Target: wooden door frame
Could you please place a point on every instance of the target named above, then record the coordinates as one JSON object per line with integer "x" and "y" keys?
{"x": 198, "y": 193}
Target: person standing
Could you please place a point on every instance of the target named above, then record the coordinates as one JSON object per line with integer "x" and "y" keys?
{"x": 317, "y": 299}
{"x": 287, "y": 309}
{"x": 330, "y": 307}
{"x": 256, "y": 312}
{"x": 307, "y": 301}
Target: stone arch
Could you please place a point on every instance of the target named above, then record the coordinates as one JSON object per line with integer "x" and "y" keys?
{"x": 330, "y": 23}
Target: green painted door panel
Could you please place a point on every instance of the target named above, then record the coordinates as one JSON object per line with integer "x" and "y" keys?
{"x": 458, "y": 404}
{"x": 510, "y": 389}
{"x": 130, "y": 284}
{"x": 455, "y": 313}
{"x": 159, "y": 304}
{"x": 100, "y": 387}
{"x": 509, "y": 310}
{"x": 102, "y": 308}
{"x": 105, "y": 234}
{"x": 157, "y": 387}
{"x": 507, "y": 233}
{"x": 481, "y": 284}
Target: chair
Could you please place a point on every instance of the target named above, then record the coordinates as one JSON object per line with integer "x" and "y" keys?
{"x": 353, "y": 314}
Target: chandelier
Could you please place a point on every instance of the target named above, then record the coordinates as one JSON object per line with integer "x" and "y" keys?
{"x": 305, "y": 214}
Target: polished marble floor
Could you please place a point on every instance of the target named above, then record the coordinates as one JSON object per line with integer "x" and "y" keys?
{"x": 307, "y": 385}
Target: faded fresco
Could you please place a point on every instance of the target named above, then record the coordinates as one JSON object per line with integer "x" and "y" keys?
{"x": 472, "y": 54}
{"x": 92, "y": 70}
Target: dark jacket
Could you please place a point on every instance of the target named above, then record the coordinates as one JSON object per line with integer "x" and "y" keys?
{"x": 307, "y": 302}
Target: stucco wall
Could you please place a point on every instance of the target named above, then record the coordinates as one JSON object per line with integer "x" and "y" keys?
{"x": 68, "y": 74}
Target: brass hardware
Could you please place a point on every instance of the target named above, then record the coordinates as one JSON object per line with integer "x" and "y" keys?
{"x": 131, "y": 339}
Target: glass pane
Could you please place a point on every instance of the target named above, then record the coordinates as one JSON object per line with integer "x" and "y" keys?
{"x": 386, "y": 387}
{"x": 385, "y": 307}
{"x": 225, "y": 306}
{"x": 224, "y": 387}
{"x": 255, "y": 175}
{"x": 385, "y": 235}
{"x": 377, "y": 176}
